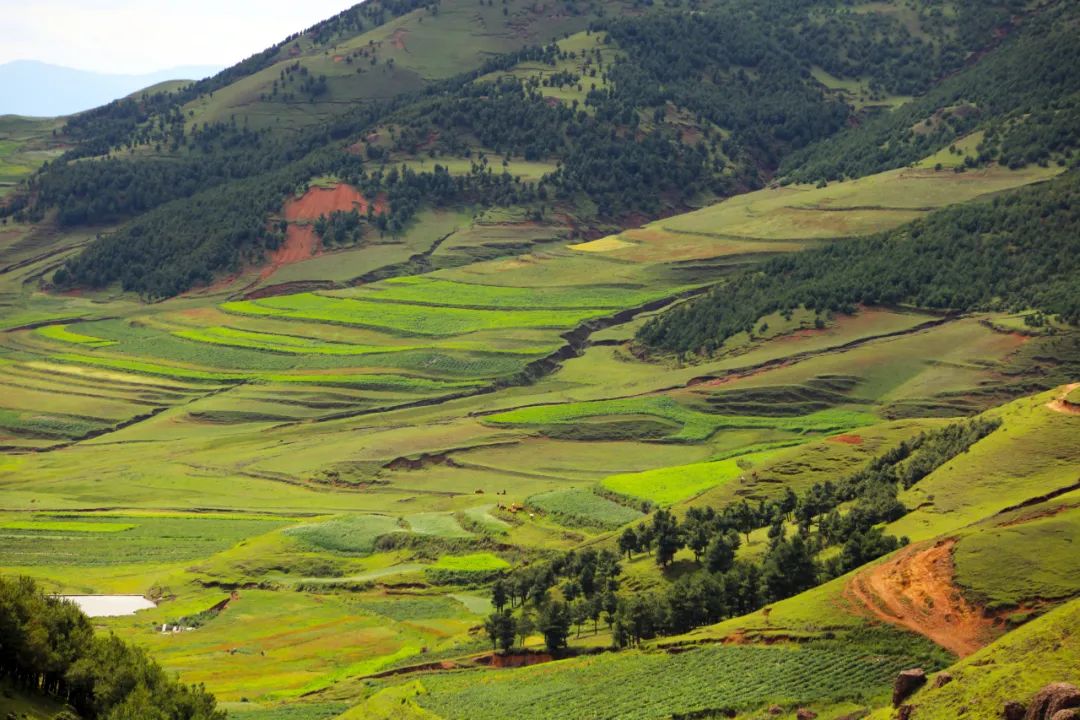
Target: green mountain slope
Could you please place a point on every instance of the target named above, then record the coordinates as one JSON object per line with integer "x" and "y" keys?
{"x": 710, "y": 105}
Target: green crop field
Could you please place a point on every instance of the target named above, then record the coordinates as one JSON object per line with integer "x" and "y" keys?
{"x": 66, "y": 525}
{"x": 633, "y": 685}
{"x": 351, "y": 534}
{"x": 135, "y": 541}
{"x": 479, "y": 562}
{"x": 437, "y": 292}
{"x": 669, "y": 485}
{"x": 405, "y": 319}
{"x": 60, "y": 332}
{"x": 276, "y": 343}
{"x": 581, "y": 507}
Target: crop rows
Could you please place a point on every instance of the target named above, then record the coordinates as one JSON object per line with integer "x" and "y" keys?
{"x": 157, "y": 540}
{"x": 358, "y": 380}
{"x": 405, "y": 319}
{"x": 61, "y": 333}
{"x": 637, "y": 685}
{"x": 449, "y": 293}
{"x": 352, "y": 534}
{"x": 49, "y": 425}
{"x": 272, "y": 342}
{"x": 695, "y": 424}
{"x": 583, "y": 507}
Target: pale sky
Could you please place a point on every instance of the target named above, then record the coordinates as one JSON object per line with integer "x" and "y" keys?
{"x": 141, "y": 36}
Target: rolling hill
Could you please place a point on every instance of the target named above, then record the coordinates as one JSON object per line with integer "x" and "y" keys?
{"x": 580, "y": 359}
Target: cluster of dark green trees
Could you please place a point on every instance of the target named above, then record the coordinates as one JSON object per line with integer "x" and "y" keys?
{"x": 48, "y": 646}
{"x": 1018, "y": 251}
{"x": 720, "y": 585}
{"x": 726, "y": 587}
{"x": 340, "y": 228}
{"x": 588, "y": 581}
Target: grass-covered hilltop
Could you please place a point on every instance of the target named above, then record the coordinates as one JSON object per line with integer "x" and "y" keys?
{"x": 481, "y": 359}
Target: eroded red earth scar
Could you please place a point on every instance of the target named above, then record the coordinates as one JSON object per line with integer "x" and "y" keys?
{"x": 301, "y": 243}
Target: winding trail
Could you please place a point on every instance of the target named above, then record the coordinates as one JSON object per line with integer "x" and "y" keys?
{"x": 915, "y": 590}
{"x": 1061, "y": 405}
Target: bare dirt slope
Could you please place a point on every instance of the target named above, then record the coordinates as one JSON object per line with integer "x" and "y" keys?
{"x": 915, "y": 590}
{"x": 1061, "y": 405}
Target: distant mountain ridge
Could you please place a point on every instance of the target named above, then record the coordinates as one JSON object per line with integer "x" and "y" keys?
{"x": 39, "y": 89}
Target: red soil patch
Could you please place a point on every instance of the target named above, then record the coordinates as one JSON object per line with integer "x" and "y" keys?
{"x": 339, "y": 58}
{"x": 300, "y": 244}
{"x": 514, "y": 661}
{"x": 1061, "y": 405}
{"x": 323, "y": 201}
{"x": 219, "y": 285}
{"x": 847, "y": 439}
{"x": 915, "y": 590}
{"x": 398, "y": 39}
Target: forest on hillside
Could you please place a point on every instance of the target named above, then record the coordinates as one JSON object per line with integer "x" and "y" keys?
{"x": 1019, "y": 251}
{"x": 1025, "y": 95}
{"x": 739, "y": 74}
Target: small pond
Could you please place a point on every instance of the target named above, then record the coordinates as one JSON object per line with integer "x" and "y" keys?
{"x": 109, "y": 605}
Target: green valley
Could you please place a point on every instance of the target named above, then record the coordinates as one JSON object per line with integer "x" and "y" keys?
{"x": 593, "y": 359}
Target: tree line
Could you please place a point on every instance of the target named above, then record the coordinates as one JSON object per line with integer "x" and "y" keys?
{"x": 729, "y": 587}
{"x": 48, "y": 646}
{"x": 587, "y": 582}
{"x": 848, "y": 514}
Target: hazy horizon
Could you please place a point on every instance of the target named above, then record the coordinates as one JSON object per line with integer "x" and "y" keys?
{"x": 126, "y": 37}
{"x": 37, "y": 89}
{"x": 207, "y": 69}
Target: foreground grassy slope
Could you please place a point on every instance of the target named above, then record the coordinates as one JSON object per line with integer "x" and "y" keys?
{"x": 1013, "y": 668}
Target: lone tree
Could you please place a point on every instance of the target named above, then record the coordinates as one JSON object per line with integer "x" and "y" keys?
{"x": 499, "y": 595}
{"x": 501, "y": 629}
{"x": 554, "y": 624}
{"x": 628, "y": 542}
{"x": 667, "y": 537}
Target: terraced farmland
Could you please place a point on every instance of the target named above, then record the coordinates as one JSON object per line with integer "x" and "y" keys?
{"x": 360, "y": 457}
